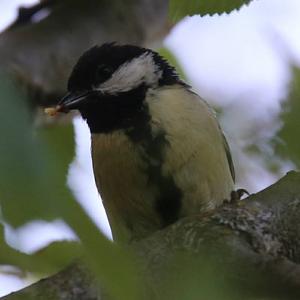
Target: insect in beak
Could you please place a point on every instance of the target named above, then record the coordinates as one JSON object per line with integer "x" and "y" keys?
{"x": 68, "y": 102}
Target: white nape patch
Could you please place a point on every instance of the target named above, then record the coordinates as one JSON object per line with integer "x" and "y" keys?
{"x": 131, "y": 74}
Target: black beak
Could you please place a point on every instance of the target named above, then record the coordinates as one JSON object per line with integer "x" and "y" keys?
{"x": 73, "y": 100}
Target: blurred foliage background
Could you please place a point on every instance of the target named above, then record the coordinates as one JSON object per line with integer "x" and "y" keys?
{"x": 34, "y": 164}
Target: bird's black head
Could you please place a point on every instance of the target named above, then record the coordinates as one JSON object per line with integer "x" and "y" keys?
{"x": 109, "y": 83}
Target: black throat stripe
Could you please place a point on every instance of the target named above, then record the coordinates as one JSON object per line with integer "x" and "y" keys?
{"x": 168, "y": 202}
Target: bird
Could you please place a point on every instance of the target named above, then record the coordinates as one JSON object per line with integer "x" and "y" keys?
{"x": 158, "y": 151}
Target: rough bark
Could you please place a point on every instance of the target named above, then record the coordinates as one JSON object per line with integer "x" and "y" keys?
{"x": 249, "y": 249}
{"x": 73, "y": 283}
{"x": 253, "y": 245}
{"x": 40, "y": 55}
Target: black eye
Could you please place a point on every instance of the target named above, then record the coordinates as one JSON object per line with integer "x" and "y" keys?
{"x": 103, "y": 72}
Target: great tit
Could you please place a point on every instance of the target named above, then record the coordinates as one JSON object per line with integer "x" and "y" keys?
{"x": 158, "y": 151}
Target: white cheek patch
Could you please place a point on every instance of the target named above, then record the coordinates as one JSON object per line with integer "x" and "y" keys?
{"x": 130, "y": 75}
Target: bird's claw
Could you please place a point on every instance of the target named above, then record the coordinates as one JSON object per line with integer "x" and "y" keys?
{"x": 236, "y": 195}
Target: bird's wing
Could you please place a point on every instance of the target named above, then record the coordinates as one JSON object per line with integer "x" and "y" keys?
{"x": 229, "y": 157}
{"x": 226, "y": 146}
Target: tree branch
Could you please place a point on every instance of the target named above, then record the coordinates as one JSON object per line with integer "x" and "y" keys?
{"x": 40, "y": 55}
{"x": 252, "y": 246}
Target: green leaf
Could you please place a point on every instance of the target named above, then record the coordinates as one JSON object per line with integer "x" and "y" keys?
{"x": 49, "y": 259}
{"x": 178, "y": 9}
{"x": 33, "y": 166}
{"x": 111, "y": 264}
{"x": 289, "y": 147}
{"x": 10, "y": 256}
{"x": 58, "y": 255}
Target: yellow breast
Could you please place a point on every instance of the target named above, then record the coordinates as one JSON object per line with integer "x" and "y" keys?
{"x": 123, "y": 185}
